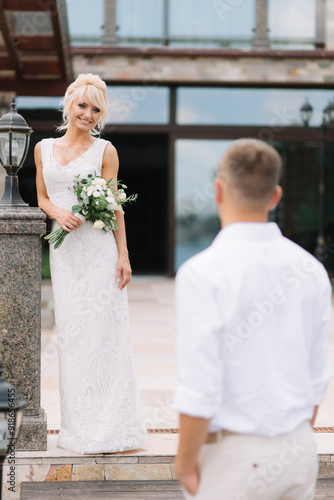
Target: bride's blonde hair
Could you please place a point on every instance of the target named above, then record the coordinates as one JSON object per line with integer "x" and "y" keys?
{"x": 94, "y": 90}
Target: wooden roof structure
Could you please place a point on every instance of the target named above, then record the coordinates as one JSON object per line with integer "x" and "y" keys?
{"x": 34, "y": 47}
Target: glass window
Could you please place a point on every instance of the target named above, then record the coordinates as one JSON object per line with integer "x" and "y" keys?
{"x": 138, "y": 104}
{"x": 196, "y": 222}
{"x": 30, "y": 23}
{"x": 86, "y": 21}
{"x": 24, "y": 102}
{"x": 139, "y": 21}
{"x": 292, "y": 23}
{"x": 215, "y": 23}
{"x": 227, "y": 106}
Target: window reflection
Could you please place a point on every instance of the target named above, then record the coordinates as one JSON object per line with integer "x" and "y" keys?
{"x": 227, "y": 106}
{"x": 40, "y": 102}
{"x": 86, "y": 21}
{"x": 214, "y": 23}
{"x": 189, "y": 23}
{"x": 139, "y": 21}
{"x": 196, "y": 218}
{"x": 138, "y": 104}
{"x": 292, "y": 24}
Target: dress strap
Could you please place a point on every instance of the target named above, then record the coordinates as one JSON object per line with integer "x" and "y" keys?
{"x": 46, "y": 147}
{"x": 100, "y": 151}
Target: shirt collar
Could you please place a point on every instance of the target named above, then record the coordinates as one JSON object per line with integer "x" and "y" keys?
{"x": 250, "y": 231}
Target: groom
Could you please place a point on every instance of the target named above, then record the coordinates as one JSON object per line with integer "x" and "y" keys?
{"x": 253, "y": 314}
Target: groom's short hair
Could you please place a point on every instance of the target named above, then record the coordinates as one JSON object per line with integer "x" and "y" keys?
{"x": 251, "y": 169}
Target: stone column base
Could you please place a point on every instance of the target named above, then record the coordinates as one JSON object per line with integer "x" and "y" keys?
{"x": 33, "y": 433}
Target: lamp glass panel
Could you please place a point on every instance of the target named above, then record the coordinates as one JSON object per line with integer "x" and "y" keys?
{"x": 331, "y": 114}
{"x": 5, "y": 436}
{"x": 18, "y": 148}
{"x": 306, "y": 114}
{"x": 3, "y": 143}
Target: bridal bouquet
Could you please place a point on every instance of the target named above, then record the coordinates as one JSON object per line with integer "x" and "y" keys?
{"x": 98, "y": 200}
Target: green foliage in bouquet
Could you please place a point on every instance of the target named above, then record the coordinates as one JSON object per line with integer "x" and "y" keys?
{"x": 97, "y": 201}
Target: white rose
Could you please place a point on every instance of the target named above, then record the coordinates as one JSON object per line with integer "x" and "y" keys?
{"x": 98, "y": 224}
{"x": 109, "y": 192}
{"x": 112, "y": 206}
{"x": 96, "y": 194}
{"x": 121, "y": 196}
{"x": 110, "y": 199}
{"x": 90, "y": 190}
{"x": 84, "y": 188}
{"x": 100, "y": 182}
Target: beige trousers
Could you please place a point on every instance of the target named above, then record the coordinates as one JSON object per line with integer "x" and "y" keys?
{"x": 249, "y": 467}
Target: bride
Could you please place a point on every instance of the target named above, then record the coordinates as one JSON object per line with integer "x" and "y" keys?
{"x": 99, "y": 397}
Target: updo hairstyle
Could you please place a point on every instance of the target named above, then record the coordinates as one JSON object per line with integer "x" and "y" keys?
{"x": 87, "y": 87}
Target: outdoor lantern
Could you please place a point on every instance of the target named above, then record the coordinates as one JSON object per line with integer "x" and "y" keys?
{"x": 14, "y": 144}
{"x": 306, "y": 112}
{"x": 328, "y": 114}
{"x": 11, "y": 414}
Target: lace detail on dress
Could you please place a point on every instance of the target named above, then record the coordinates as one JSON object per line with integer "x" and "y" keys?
{"x": 99, "y": 397}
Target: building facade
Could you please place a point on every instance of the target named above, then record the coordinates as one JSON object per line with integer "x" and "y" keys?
{"x": 185, "y": 78}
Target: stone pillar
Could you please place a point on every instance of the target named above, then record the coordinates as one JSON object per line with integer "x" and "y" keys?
{"x": 330, "y": 25}
{"x": 320, "y": 21}
{"x": 20, "y": 315}
{"x": 109, "y": 36}
{"x": 261, "y": 39}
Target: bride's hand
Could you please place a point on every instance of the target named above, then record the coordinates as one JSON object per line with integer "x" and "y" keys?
{"x": 68, "y": 221}
{"x": 124, "y": 271}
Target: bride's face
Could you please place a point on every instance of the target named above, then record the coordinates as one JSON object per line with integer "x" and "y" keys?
{"x": 84, "y": 115}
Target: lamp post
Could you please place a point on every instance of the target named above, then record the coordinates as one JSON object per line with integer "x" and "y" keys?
{"x": 11, "y": 413}
{"x": 306, "y": 112}
{"x": 14, "y": 144}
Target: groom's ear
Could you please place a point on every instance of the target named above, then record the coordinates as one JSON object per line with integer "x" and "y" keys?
{"x": 219, "y": 191}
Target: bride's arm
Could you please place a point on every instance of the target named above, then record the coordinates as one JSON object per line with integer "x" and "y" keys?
{"x": 65, "y": 219}
{"x": 110, "y": 166}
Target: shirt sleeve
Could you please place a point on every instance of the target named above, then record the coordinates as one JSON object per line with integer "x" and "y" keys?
{"x": 199, "y": 359}
{"x": 320, "y": 358}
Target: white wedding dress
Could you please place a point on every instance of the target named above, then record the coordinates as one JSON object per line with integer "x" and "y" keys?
{"x": 99, "y": 397}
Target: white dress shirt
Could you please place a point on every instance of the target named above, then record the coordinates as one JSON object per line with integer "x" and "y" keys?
{"x": 253, "y": 316}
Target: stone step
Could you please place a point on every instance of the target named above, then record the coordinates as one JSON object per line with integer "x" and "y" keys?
{"x": 152, "y": 464}
{"x": 128, "y": 490}
{"x": 90, "y": 490}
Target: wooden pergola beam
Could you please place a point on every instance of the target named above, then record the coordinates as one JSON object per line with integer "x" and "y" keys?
{"x": 29, "y": 5}
{"x": 35, "y": 43}
{"x": 5, "y": 63}
{"x": 41, "y": 68}
{"x": 10, "y": 43}
{"x": 61, "y": 38}
{"x": 33, "y": 87}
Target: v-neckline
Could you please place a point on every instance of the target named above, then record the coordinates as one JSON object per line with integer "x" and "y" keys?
{"x": 72, "y": 161}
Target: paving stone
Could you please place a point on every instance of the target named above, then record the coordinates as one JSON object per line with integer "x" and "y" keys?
{"x": 126, "y": 472}
{"x": 88, "y": 472}
{"x": 59, "y": 473}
